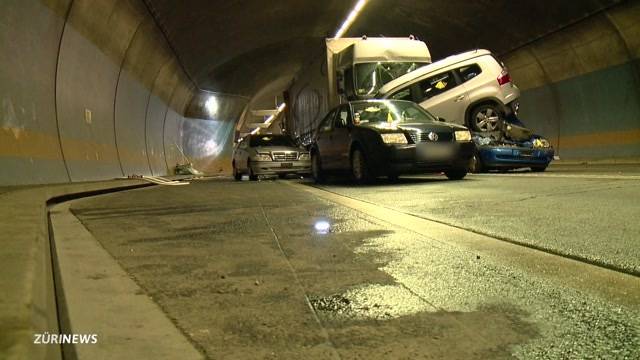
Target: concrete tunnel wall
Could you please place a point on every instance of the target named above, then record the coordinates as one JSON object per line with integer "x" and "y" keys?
{"x": 90, "y": 90}
{"x": 581, "y": 85}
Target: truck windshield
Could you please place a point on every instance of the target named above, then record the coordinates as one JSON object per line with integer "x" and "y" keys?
{"x": 389, "y": 113}
{"x": 270, "y": 140}
{"x": 369, "y": 77}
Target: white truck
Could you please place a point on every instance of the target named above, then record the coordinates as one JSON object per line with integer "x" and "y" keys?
{"x": 354, "y": 68}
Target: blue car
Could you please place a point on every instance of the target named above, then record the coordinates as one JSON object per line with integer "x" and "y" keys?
{"x": 512, "y": 148}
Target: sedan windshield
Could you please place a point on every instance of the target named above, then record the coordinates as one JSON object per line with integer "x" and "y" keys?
{"x": 389, "y": 112}
{"x": 371, "y": 76}
{"x": 270, "y": 140}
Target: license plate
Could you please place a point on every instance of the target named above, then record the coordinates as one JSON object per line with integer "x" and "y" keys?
{"x": 286, "y": 165}
{"x": 435, "y": 151}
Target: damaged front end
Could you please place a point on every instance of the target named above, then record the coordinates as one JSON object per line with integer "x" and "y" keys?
{"x": 514, "y": 147}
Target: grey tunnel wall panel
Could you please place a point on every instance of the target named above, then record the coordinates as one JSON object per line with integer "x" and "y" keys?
{"x": 130, "y": 113}
{"x": 173, "y": 139}
{"x": 29, "y": 147}
{"x": 87, "y": 77}
{"x": 581, "y": 85}
{"x": 156, "y": 112}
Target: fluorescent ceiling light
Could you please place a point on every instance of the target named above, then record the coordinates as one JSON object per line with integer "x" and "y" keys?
{"x": 350, "y": 19}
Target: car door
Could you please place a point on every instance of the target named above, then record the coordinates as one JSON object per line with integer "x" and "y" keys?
{"x": 444, "y": 96}
{"x": 341, "y": 138}
{"x": 323, "y": 138}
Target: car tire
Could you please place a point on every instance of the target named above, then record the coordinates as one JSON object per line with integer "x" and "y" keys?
{"x": 538, "y": 168}
{"x": 486, "y": 118}
{"x": 316, "y": 168}
{"x": 236, "y": 174}
{"x": 475, "y": 164}
{"x": 252, "y": 176}
{"x": 360, "y": 171}
{"x": 456, "y": 174}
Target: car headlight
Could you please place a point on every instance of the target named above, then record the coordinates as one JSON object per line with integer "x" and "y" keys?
{"x": 263, "y": 157}
{"x": 541, "y": 143}
{"x": 394, "y": 138}
{"x": 463, "y": 135}
{"x": 304, "y": 156}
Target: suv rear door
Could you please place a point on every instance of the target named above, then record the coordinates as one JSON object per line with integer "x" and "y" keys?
{"x": 444, "y": 96}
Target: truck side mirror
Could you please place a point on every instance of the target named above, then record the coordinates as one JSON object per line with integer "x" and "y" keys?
{"x": 441, "y": 119}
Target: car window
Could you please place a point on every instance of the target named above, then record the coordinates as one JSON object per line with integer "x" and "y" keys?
{"x": 271, "y": 140}
{"x": 327, "y": 123}
{"x": 343, "y": 118}
{"x": 389, "y": 113}
{"x": 404, "y": 94}
{"x": 469, "y": 72}
{"x": 436, "y": 85}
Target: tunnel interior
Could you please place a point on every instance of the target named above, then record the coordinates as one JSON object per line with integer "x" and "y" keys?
{"x": 98, "y": 90}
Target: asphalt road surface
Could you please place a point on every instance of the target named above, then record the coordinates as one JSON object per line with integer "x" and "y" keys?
{"x": 421, "y": 268}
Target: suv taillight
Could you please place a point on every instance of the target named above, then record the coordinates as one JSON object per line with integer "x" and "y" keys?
{"x": 504, "y": 77}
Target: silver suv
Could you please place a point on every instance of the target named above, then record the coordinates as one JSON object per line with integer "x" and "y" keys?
{"x": 269, "y": 154}
{"x": 472, "y": 89}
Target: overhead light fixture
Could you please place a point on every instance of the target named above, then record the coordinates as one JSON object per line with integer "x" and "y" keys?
{"x": 211, "y": 105}
{"x": 350, "y": 19}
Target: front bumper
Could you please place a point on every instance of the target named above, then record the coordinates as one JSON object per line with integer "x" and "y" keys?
{"x": 281, "y": 167}
{"x": 404, "y": 159}
{"x": 514, "y": 157}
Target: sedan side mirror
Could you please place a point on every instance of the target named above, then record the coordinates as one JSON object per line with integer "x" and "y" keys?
{"x": 441, "y": 119}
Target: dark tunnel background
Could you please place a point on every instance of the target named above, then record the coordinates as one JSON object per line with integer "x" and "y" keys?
{"x": 94, "y": 90}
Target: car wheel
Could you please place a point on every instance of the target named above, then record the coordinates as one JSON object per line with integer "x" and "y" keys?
{"x": 538, "y": 168}
{"x": 252, "y": 176}
{"x": 485, "y": 118}
{"x": 359, "y": 168}
{"x": 316, "y": 168}
{"x": 475, "y": 164}
{"x": 456, "y": 174}
{"x": 236, "y": 174}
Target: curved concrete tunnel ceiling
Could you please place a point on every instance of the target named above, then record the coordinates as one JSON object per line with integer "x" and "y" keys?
{"x": 239, "y": 47}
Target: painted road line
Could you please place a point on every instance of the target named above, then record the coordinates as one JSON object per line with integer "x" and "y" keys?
{"x": 567, "y": 176}
{"x": 615, "y": 286}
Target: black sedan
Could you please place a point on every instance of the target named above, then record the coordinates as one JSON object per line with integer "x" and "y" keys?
{"x": 388, "y": 138}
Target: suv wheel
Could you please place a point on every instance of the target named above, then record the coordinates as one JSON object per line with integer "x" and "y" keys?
{"x": 487, "y": 117}
{"x": 316, "y": 168}
{"x": 359, "y": 168}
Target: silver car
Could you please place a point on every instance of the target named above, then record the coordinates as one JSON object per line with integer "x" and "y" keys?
{"x": 256, "y": 155}
{"x": 473, "y": 89}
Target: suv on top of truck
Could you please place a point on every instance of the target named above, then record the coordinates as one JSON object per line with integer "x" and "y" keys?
{"x": 472, "y": 89}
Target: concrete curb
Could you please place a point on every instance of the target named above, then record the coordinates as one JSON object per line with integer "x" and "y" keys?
{"x": 102, "y": 300}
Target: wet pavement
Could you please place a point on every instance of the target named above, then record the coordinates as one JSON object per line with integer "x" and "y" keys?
{"x": 243, "y": 271}
{"x": 583, "y": 212}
